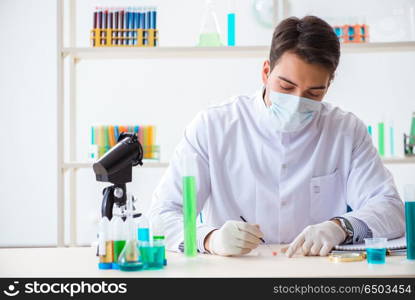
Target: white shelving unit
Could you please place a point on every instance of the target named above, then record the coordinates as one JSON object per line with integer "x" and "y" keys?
{"x": 75, "y": 55}
{"x": 216, "y": 52}
{"x": 87, "y": 165}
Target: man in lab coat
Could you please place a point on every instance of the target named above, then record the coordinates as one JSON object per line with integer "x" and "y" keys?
{"x": 283, "y": 160}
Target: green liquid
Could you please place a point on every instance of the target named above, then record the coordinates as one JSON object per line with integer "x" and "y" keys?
{"x": 118, "y": 247}
{"x": 209, "y": 40}
{"x": 412, "y": 134}
{"x": 376, "y": 256}
{"x": 410, "y": 229}
{"x": 152, "y": 257}
{"x": 381, "y": 139}
{"x": 189, "y": 213}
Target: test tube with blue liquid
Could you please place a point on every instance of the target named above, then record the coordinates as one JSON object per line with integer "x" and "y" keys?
{"x": 409, "y": 198}
{"x": 231, "y": 22}
{"x": 143, "y": 230}
{"x": 152, "y": 251}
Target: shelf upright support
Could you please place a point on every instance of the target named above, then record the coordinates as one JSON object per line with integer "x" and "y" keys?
{"x": 60, "y": 127}
{"x": 72, "y": 152}
{"x": 72, "y": 127}
{"x": 72, "y": 23}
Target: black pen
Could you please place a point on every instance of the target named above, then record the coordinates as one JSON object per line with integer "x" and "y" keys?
{"x": 243, "y": 219}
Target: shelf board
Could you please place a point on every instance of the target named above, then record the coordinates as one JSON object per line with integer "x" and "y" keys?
{"x": 398, "y": 160}
{"x": 167, "y": 52}
{"x": 154, "y": 164}
{"x": 379, "y": 47}
{"x": 87, "y": 165}
{"x": 215, "y": 52}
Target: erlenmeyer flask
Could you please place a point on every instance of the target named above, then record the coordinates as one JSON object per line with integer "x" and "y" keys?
{"x": 129, "y": 257}
{"x": 209, "y": 35}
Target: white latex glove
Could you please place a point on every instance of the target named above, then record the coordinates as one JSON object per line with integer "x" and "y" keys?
{"x": 317, "y": 239}
{"x": 235, "y": 238}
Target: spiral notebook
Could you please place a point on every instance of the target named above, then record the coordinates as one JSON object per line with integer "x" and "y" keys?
{"x": 395, "y": 244}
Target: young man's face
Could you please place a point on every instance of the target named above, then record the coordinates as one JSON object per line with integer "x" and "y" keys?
{"x": 292, "y": 75}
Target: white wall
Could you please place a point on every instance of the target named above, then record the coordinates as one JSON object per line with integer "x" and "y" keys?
{"x": 27, "y": 122}
{"x": 167, "y": 93}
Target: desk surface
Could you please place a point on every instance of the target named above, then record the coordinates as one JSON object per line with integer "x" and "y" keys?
{"x": 82, "y": 262}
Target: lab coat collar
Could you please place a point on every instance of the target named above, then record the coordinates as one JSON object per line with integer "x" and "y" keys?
{"x": 264, "y": 118}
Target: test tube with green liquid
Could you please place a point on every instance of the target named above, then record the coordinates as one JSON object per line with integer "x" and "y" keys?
{"x": 189, "y": 205}
{"x": 381, "y": 138}
{"x": 119, "y": 236}
{"x": 412, "y": 134}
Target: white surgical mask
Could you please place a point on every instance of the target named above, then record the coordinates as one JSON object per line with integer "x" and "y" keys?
{"x": 292, "y": 113}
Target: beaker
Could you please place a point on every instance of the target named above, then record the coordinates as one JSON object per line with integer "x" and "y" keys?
{"x": 209, "y": 35}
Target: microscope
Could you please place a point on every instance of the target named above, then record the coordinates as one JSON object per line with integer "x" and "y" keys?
{"x": 116, "y": 167}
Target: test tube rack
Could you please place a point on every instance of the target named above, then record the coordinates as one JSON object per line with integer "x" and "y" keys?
{"x": 358, "y": 33}
{"x": 124, "y": 37}
{"x": 104, "y": 137}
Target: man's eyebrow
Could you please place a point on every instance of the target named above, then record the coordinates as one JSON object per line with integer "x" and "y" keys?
{"x": 320, "y": 87}
{"x": 285, "y": 79}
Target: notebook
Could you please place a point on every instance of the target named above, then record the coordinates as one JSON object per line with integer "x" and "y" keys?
{"x": 395, "y": 244}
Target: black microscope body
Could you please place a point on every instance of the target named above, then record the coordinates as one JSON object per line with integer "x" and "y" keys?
{"x": 116, "y": 167}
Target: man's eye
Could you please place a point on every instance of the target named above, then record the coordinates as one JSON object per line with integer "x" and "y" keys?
{"x": 286, "y": 88}
{"x": 314, "y": 94}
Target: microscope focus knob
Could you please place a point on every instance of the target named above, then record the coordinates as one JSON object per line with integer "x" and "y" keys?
{"x": 118, "y": 193}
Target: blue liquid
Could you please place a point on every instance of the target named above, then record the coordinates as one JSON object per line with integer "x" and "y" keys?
{"x": 152, "y": 257}
{"x": 410, "y": 229}
{"x": 376, "y": 255}
{"x": 231, "y": 29}
{"x": 143, "y": 234}
{"x": 131, "y": 266}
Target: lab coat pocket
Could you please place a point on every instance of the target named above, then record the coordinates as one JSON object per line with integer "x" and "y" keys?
{"x": 324, "y": 197}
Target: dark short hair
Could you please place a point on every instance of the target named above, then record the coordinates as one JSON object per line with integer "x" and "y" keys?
{"x": 311, "y": 38}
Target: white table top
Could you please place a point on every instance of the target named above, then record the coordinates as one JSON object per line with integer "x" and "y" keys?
{"x": 82, "y": 262}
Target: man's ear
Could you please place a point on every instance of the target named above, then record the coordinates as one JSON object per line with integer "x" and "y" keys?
{"x": 266, "y": 69}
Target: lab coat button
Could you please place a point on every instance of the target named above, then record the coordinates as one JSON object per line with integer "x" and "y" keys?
{"x": 316, "y": 189}
{"x": 284, "y": 166}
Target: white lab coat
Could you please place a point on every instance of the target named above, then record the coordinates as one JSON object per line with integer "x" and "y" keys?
{"x": 281, "y": 181}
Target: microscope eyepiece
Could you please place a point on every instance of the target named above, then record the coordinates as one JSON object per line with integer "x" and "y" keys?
{"x": 116, "y": 165}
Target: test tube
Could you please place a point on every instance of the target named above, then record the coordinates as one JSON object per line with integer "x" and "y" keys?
{"x": 105, "y": 246}
{"x": 412, "y": 134}
{"x": 231, "y": 23}
{"x": 189, "y": 204}
{"x": 381, "y": 138}
{"x": 409, "y": 198}
{"x": 143, "y": 232}
{"x": 369, "y": 130}
{"x": 391, "y": 139}
{"x": 119, "y": 237}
